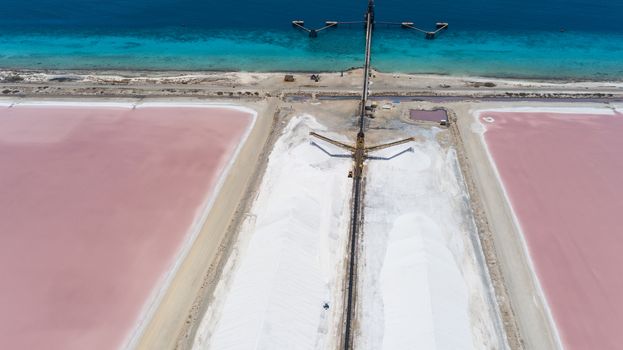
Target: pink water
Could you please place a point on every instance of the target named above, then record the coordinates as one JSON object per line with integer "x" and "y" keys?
{"x": 564, "y": 176}
{"x": 95, "y": 204}
{"x": 435, "y": 115}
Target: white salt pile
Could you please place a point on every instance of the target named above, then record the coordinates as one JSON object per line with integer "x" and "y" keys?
{"x": 290, "y": 254}
{"x": 423, "y": 284}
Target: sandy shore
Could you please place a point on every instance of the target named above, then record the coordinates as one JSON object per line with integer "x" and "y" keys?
{"x": 244, "y": 84}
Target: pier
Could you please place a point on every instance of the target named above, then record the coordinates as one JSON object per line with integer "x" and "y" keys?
{"x": 359, "y": 154}
{"x": 367, "y": 22}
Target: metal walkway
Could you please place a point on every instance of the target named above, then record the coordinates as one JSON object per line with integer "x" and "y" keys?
{"x": 359, "y": 157}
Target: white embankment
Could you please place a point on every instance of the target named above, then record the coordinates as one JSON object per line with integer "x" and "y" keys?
{"x": 288, "y": 260}
{"x": 424, "y": 283}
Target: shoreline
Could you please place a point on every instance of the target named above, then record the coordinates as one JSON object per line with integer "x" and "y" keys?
{"x": 154, "y": 71}
{"x": 260, "y": 84}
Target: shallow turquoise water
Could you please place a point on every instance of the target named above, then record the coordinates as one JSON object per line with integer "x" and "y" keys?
{"x": 508, "y": 38}
{"x": 529, "y": 54}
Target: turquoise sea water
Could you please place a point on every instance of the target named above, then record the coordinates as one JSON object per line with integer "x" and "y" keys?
{"x": 503, "y": 39}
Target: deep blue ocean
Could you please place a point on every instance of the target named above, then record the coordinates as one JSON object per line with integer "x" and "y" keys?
{"x": 566, "y": 39}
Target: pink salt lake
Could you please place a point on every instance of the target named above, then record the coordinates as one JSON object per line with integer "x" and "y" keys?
{"x": 564, "y": 176}
{"x": 95, "y": 205}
